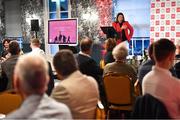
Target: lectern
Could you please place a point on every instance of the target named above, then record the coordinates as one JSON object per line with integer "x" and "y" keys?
{"x": 110, "y": 32}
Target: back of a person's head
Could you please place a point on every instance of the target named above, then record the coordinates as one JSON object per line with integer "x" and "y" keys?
{"x": 86, "y": 44}
{"x": 35, "y": 42}
{"x": 32, "y": 71}
{"x": 120, "y": 52}
{"x": 14, "y": 48}
{"x": 110, "y": 43}
{"x": 150, "y": 51}
{"x": 64, "y": 62}
{"x": 163, "y": 48}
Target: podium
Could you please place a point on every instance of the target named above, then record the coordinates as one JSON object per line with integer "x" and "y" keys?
{"x": 110, "y": 32}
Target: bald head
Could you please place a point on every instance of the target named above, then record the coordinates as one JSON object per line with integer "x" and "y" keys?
{"x": 86, "y": 44}
{"x": 31, "y": 74}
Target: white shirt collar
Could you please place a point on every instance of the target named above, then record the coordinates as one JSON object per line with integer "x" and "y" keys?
{"x": 84, "y": 54}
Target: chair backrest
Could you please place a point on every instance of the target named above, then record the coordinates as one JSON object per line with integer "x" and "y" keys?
{"x": 9, "y": 101}
{"x": 149, "y": 107}
{"x": 100, "y": 111}
{"x": 118, "y": 89}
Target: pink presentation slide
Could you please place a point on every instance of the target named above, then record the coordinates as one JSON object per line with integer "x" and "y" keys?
{"x": 62, "y": 31}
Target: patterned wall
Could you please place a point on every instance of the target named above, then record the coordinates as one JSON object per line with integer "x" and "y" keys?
{"x": 104, "y": 8}
{"x": 99, "y": 9}
{"x": 2, "y": 20}
{"x": 165, "y": 20}
{"x": 31, "y": 9}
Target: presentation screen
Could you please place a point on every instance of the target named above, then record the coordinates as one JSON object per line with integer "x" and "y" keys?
{"x": 63, "y": 32}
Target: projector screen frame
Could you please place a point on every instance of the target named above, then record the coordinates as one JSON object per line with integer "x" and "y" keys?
{"x": 66, "y": 19}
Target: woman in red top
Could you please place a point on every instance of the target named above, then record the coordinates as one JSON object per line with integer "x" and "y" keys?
{"x": 123, "y": 28}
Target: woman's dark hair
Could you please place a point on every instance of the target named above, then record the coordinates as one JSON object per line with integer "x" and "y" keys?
{"x": 6, "y": 40}
{"x": 119, "y": 15}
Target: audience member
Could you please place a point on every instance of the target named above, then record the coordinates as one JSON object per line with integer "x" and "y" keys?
{"x": 178, "y": 49}
{"x": 5, "y": 48}
{"x": 109, "y": 45}
{"x": 159, "y": 82}
{"x": 146, "y": 67}
{"x": 120, "y": 66}
{"x": 35, "y": 45}
{"x": 30, "y": 80}
{"x": 78, "y": 91}
{"x": 86, "y": 64}
{"x": 9, "y": 64}
{"x": 177, "y": 65}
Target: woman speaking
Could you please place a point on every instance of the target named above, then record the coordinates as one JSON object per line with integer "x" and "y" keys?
{"x": 123, "y": 28}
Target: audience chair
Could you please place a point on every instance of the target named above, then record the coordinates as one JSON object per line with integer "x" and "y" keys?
{"x": 9, "y": 101}
{"x": 100, "y": 111}
{"x": 149, "y": 107}
{"x": 119, "y": 92}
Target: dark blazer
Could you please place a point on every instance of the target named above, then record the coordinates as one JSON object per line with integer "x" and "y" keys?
{"x": 89, "y": 66}
{"x": 149, "y": 107}
{"x": 108, "y": 58}
{"x": 51, "y": 79}
{"x": 8, "y": 69}
{"x": 177, "y": 69}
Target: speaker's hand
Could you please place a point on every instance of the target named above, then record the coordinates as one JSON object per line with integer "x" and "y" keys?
{"x": 124, "y": 27}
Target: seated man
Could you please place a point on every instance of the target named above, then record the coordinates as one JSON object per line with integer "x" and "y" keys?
{"x": 147, "y": 66}
{"x": 159, "y": 82}
{"x": 86, "y": 64}
{"x": 120, "y": 66}
{"x": 177, "y": 65}
{"x": 35, "y": 46}
{"x": 78, "y": 91}
{"x": 30, "y": 80}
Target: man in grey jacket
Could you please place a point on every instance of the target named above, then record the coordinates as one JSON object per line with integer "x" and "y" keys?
{"x": 30, "y": 80}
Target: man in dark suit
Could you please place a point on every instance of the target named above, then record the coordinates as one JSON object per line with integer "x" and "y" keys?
{"x": 68, "y": 40}
{"x": 60, "y": 36}
{"x": 86, "y": 64}
{"x": 177, "y": 65}
{"x": 64, "y": 38}
{"x": 56, "y": 40}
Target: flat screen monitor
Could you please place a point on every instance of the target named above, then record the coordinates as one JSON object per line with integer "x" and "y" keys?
{"x": 63, "y": 32}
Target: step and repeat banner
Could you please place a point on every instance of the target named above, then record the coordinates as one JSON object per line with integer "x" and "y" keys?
{"x": 165, "y": 20}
